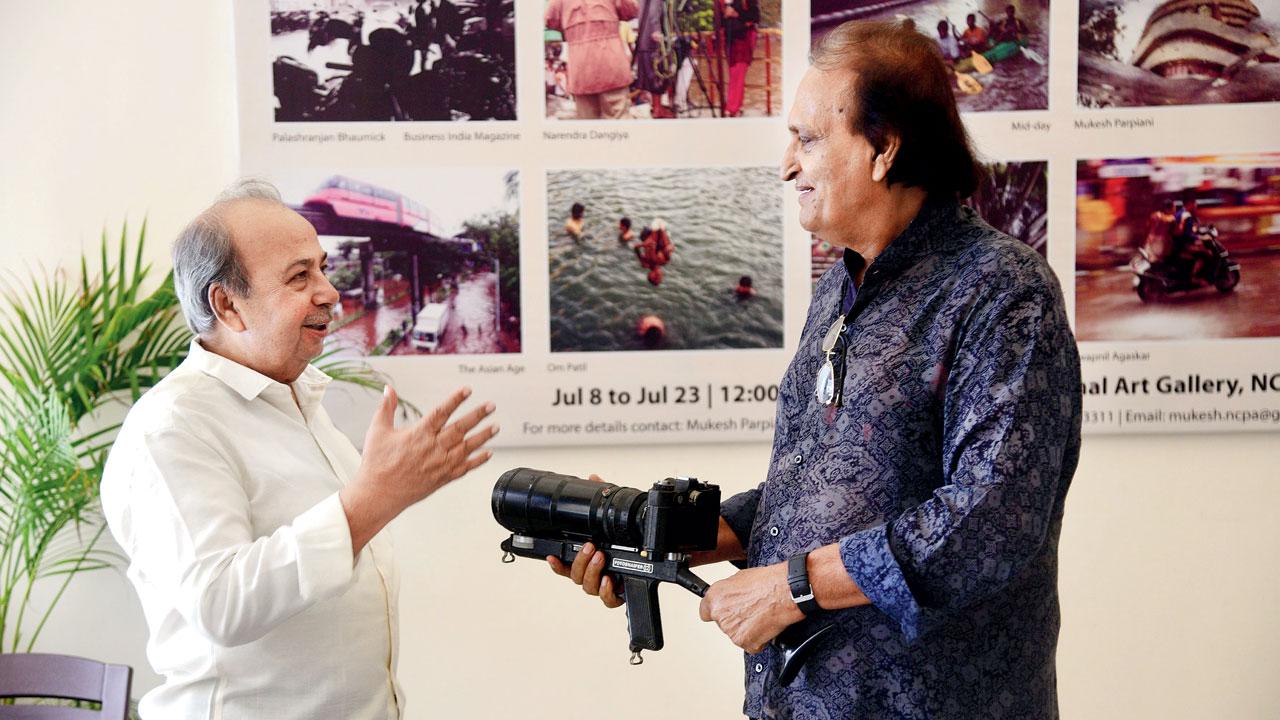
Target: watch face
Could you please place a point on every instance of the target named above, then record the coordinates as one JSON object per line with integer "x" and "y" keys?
{"x": 825, "y": 388}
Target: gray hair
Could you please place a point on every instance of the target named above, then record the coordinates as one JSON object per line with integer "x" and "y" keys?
{"x": 204, "y": 255}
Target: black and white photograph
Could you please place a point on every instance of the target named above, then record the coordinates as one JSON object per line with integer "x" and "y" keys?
{"x": 383, "y": 60}
{"x": 1137, "y": 53}
{"x": 665, "y": 258}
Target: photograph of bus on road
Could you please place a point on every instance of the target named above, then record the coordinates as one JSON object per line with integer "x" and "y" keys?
{"x": 425, "y": 263}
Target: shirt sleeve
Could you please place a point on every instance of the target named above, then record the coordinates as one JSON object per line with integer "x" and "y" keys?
{"x": 1011, "y": 423}
{"x": 192, "y": 532}
{"x": 739, "y": 512}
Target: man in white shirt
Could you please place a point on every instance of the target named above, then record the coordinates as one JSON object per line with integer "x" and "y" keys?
{"x": 252, "y": 524}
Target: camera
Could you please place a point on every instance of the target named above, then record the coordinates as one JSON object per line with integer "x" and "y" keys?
{"x": 676, "y": 515}
{"x": 646, "y": 536}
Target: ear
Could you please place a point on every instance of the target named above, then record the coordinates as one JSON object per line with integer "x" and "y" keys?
{"x": 884, "y": 161}
{"x": 224, "y": 308}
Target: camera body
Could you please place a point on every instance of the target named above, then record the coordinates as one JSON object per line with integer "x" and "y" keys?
{"x": 681, "y": 515}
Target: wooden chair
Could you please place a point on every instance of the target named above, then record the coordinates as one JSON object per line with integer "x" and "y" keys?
{"x": 36, "y": 675}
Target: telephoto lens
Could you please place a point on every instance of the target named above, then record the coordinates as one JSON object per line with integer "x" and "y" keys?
{"x": 541, "y": 503}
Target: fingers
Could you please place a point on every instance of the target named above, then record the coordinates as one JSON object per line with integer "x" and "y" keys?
{"x": 557, "y": 567}
{"x": 474, "y": 462}
{"x": 463, "y": 425}
{"x": 439, "y": 416}
{"x": 579, "y": 567}
{"x": 704, "y": 609}
{"x": 607, "y": 594}
{"x": 595, "y": 570}
{"x": 385, "y": 415}
{"x": 596, "y": 478}
{"x": 478, "y": 439}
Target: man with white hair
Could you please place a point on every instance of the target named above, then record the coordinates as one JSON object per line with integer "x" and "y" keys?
{"x": 251, "y": 524}
{"x": 928, "y": 426}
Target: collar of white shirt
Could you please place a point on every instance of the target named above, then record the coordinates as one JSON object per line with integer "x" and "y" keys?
{"x": 309, "y": 387}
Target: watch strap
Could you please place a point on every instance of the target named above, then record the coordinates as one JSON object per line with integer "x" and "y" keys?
{"x": 798, "y": 580}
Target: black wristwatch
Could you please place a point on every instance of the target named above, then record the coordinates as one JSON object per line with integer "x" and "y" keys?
{"x": 798, "y": 579}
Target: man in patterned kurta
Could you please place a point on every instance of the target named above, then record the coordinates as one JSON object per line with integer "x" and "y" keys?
{"x": 913, "y": 502}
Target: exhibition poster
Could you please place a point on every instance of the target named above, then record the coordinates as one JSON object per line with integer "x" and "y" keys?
{"x": 599, "y": 240}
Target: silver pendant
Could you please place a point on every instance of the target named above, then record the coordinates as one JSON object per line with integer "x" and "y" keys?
{"x": 825, "y": 388}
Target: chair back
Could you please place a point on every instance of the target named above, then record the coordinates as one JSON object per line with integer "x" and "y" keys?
{"x": 38, "y": 675}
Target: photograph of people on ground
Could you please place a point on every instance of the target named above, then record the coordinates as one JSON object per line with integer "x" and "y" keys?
{"x": 353, "y": 60}
{"x": 1178, "y": 248}
{"x": 997, "y": 51}
{"x": 1178, "y": 52}
{"x": 665, "y": 258}
{"x": 633, "y": 59}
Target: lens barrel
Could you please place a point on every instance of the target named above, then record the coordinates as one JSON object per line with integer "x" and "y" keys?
{"x": 538, "y": 502}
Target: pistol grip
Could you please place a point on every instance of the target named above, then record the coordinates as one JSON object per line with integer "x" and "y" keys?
{"x": 644, "y": 621}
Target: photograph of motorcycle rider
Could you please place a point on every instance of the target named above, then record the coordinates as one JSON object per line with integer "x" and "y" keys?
{"x": 374, "y": 61}
{"x": 1188, "y": 252}
{"x": 1159, "y": 241}
{"x": 1162, "y": 245}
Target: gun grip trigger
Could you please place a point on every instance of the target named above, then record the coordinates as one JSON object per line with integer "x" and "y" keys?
{"x": 795, "y": 649}
{"x": 644, "y": 622}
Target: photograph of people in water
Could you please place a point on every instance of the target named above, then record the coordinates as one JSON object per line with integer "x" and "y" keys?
{"x": 998, "y": 50}
{"x": 665, "y": 258}
{"x": 1178, "y": 52}
{"x": 1178, "y": 248}
{"x": 670, "y": 59}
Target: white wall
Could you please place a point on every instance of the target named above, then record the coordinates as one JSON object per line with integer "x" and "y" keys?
{"x": 1170, "y": 552}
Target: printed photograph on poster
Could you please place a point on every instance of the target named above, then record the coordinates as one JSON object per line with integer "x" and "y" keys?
{"x": 1181, "y": 248}
{"x": 998, "y": 50}
{"x": 427, "y": 262}
{"x": 665, "y": 258}
{"x": 671, "y": 59}
{"x": 1012, "y": 197}
{"x": 1178, "y": 52}
{"x": 375, "y": 60}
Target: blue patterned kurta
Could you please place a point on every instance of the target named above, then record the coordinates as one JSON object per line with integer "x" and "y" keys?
{"x": 942, "y": 478}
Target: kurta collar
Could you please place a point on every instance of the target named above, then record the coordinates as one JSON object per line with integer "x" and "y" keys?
{"x": 249, "y": 383}
{"x": 926, "y": 234}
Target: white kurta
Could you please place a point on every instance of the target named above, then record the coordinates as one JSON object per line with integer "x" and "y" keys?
{"x": 222, "y": 490}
